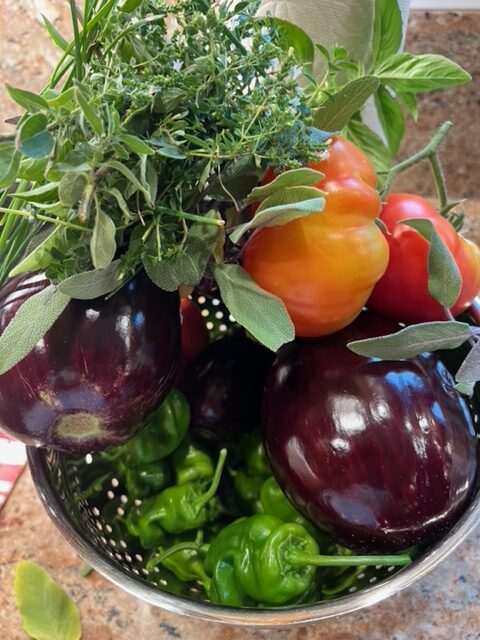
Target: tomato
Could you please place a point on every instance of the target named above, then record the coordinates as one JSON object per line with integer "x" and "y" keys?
{"x": 344, "y": 159}
{"x": 402, "y": 293}
{"x": 323, "y": 266}
{"x": 195, "y": 335}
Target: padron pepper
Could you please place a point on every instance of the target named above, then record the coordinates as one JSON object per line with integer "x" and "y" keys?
{"x": 191, "y": 463}
{"x": 148, "y": 479}
{"x": 176, "y": 509}
{"x": 261, "y": 559}
{"x": 324, "y": 266}
{"x": 184, "y": 558}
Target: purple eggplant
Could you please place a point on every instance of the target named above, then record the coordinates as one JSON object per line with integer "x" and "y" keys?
{"x": 224, "y": 386}
{"x": 378, "y": 453}
{"x": 98, "y": 373}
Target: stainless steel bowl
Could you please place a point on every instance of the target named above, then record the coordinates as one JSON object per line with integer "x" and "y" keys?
{"x": 59, "y": 485}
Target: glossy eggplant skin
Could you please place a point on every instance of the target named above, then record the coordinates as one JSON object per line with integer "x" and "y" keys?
{"x": 224, "y": 387}
{"x": 97, "y": 374}
{"x": 378, "y": 453}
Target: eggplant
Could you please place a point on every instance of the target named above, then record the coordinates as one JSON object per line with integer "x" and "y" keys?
{"x": 99, "y": 372}
{"x": 380, "y": 454}
{"x": 224, "y": 387}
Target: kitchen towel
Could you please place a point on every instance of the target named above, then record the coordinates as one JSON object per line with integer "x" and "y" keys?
{"x": 12, "y": 462}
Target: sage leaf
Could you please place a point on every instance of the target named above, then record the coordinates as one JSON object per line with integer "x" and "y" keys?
{"x": 71, "y": 188}
{"x": 469, "y": 372}
{"x": 391, "y": 118}
{"x": 113, "y": 191}
{"x": 283, "y": 207}
{"x": 92, "y": 284}
{"x": 337, "y": 110}
{"x": 102, "y": 244}
{"x": 304, "y": 177}
{"x": 420, "y": 73}
{"x": 31, "y": 322}
{"x": 131, "y": 177}
{"x": 260, "y": 312}
{"x": 387, "y": 30}
{"x": 9, "y": 164}
{"x": 239, "y": 177}
{"x": 34, "y": 139}
{"x": 413, "y": 340}
{"x": 370, "y": 143}
{"x": 46, "y": 611}
{"x": 444, "y": 279}
{"x": 91, "y": 115}
{"x": 136, "y": 144}
{"x": 27, "y": 100}
{"x": 45, "y": 193}
{"x": 39, "y": 258}
{"x": 188, "y": 265}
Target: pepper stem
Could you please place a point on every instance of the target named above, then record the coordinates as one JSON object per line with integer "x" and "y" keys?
{"x": 299, "y": 559}
{"x": 212, "y": 490}
{"x": 430, "y": 151}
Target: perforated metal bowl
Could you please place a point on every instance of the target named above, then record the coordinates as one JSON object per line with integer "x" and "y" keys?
{"x": 62, "y": 486}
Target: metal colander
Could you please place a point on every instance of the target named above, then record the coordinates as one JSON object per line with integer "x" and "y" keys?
{"x": 89, "y": 520}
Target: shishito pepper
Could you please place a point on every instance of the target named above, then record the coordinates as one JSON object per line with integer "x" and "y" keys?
{"x": 176, "y": 509}
{"x": 324, "y": 266}
{"x": 262, "y": 559}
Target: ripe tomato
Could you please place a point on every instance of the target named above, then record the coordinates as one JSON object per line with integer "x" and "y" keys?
{"x": 402, "y": 293}
{"x": 342, "y": 160}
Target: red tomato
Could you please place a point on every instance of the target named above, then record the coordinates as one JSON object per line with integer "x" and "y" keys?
{"x": 195, "y": 335}
{"x": 402, "y": 293}
{"x": 344, "y": 159}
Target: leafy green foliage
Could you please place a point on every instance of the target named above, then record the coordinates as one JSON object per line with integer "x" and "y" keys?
{"x": 391, "y": 118}
{"x": 32, "y": 320}
{"x": 414, "y": 339}
{"x": 27, "y": 100}
{"x": 46, "y": 611}
{"x": 444, "y": 279}
{"x": 304, "y": 177}
{"x": 370, "y": 143}
{"x": 387, "y": 30}
{"x": 341, "y": 106}
{"x": 33, "y": 138}
{"x": 92, "y": 284}
{"x": 261, "y": 313}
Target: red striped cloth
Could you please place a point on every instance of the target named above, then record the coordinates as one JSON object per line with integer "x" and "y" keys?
{"x": 12, "y": 462}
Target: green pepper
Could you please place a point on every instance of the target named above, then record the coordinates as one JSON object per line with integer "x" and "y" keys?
{"x": 275, "y": 503}
{"x": 184, "y": 558}
{"x": 190, "y": 463}
{"x": 163, "y": 432}
{"x": 176, "y": 509}
{"x": 265, "y": 560}
{"x": 253, "y": 454}
{"x": 148, "y": 479}
{"x": 247, "y": 486}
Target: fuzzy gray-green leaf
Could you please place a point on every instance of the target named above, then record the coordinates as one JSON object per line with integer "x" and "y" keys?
{"x": 71, "y": 188}
{"x": 102, "y": 244}
{"x": 413, "y": 340}
{"x": 29, "y": 101}
{"x": 92, "y": 284}
{"x": 304, "y": 177}
{"x": 31, "y": 322}
{"x": 261, "y": 313}
{"x": 40, "y": 257}
{"x": 338, "y": 109}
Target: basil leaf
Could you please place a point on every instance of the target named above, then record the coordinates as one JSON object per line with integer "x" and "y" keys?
{"x": 40, "y": 257}
{"x": 9, "y": 164}
{"x": 102, "y": 244}
{"x": 304, "y": 177}
{"x": 420, "y": 73}
{"x": 444, "y": 279}
{"x": 188, "y": 265}
{"x": 413, "y": 340}
{"x": 46, "y": 611}
{"x": 92, "y": 284}
{"x": 391, "y": 118}
{"x": 387, "y": 30}
{"x": 337, "y": 110}
{"x": 34, "y": 139}
{"x": 370, "y": 143}
{"x": 29, "y": 101}
{"x": 283, "y": 207}
{"x": 260, "y": 312}
{"x": 292, "y": 36}
{"x": 31, "y": 322}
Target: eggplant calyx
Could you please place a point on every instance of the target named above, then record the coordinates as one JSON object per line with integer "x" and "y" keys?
{"x": 79, "y": 426}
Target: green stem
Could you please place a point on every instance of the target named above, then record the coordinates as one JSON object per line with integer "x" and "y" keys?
{"x": 190, "y": 216}
{"x": 10, "y": 221}
{"x": 427, "y": 152}
{"x": 303, "y": 559}
{"x": 78, "y": 44}
{"x": 439, "y": 179}
{"x": 206, "y": 6}
{"x": 212, "y": 490}
{"x": 40, "y": 216}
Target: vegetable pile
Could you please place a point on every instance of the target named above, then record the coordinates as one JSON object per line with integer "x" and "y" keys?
{"x": 186, "y": 151}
